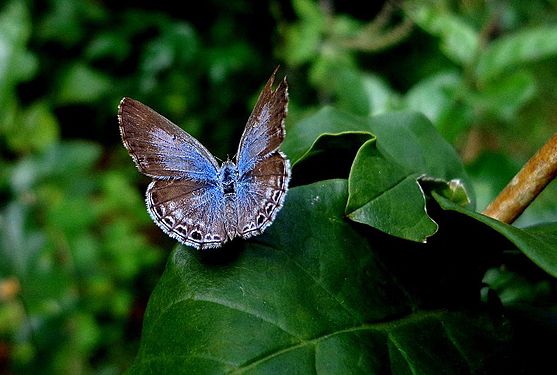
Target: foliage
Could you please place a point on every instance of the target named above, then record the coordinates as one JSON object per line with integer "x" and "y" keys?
{"x": 377, "y": 263}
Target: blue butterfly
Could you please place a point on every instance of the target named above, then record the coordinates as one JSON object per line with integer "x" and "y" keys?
{"x": 194, "y": 199}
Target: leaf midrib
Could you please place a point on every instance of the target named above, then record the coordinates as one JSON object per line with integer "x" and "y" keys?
{"x": 378, "y": 326}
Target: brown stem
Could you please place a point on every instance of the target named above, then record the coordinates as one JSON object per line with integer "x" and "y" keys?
{"x": 526, "y": 185}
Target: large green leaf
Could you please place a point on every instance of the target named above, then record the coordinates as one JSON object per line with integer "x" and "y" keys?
{"x": 304, "y": 134}
{"x": 411, "y": 139}
{"x": 537, "y": 243}
{"x": 311, "y": 295}
{"x": 408, "y": 137}
{"x": 387, "y": 197}
{"x": 383, "y": 192}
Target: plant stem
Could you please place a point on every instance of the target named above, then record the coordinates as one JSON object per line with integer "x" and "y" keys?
{"x": 526, "y": 185}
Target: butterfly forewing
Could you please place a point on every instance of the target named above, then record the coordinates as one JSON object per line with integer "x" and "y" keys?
{"x": 264, "y": 130}
{"x": 161, "y": 149}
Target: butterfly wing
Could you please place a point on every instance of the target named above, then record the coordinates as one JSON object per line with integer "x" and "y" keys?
{"x": 159, "y": 148}
{"x": 261, "y": 193}
{"x": 263, "y": 169}
{"x": 185, "y": 199}
{"x": 264, "y": 130}
{"x": 189, "y": 211}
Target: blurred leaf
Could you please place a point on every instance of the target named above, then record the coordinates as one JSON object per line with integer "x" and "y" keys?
{"x": 177, "y": 43}
{"x": 65, "y": 21}
{"x": 459, "y": 41}
{"x": 15, "y": 29}
{"x": 506, "y": 95}
{"x": 303, "y": 38}
{"x": 35, "y": 129}
{"x": 128, "y": 251}
{"x": 332, "y": 73}
{"x": 82, "y": 84}
{"x": 121, "y": 195}
{"x": 537, "y": 243}
{"x": 356, "y": 92}
{"x": 16, "y": 63}
{"x": 516, "y": 49}
{"x": 490, "y": 173}
{"x": 312, "y": 315}
{"x": 71, "y": 215}
{"x": 108, "y": 44}
{"x": 437, "y": 97}
{"x": 381, "y": 97}
{"x": 86, "y": 332}
{"x": 61, "y": 162}
{"x": 19, "y": 245}
{"x": 385, "y": 196}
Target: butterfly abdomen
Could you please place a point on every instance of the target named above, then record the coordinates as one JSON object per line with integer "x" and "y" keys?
{"x": 228, "y": 176}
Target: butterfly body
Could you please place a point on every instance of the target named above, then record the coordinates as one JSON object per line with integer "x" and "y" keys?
{"x": 194, "y": 199}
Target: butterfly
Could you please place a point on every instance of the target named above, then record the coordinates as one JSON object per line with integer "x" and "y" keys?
{"x": 192, "y": 197}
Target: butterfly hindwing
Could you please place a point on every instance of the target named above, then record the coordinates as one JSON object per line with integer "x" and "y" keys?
{"x": 261, "y": 194}
{"x": 189, "y": 211}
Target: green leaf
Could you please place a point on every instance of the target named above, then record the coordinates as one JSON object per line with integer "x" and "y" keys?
{"x": 459, "y": 41}
{"x": 303, "y": 135}
{"x": 414, "y": 143}
{"x": 35, "y": 129}
{"x": 517, "y": 49}
{"x": 506, "y": 95}
{"x": 284, "y": 302}
{"x": 432, "y": 95}
{"x": 352, "y": 91}
{"x": 435, "y": 97}
{"x": 81, "y": 84}
{"x": 385, "y": 196}
{"x": 383, "y": 190}
{"x": 302, "y": 39}
{"x": 453, "y": 190}
{"x": 65, "y": 163}
{"x": 19, "y": 244}
{"x": 337, "y": 151}
{"x": 16, "y": 63}
{"x": 537, "y": 243}
{"x": 408, "y": 137}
